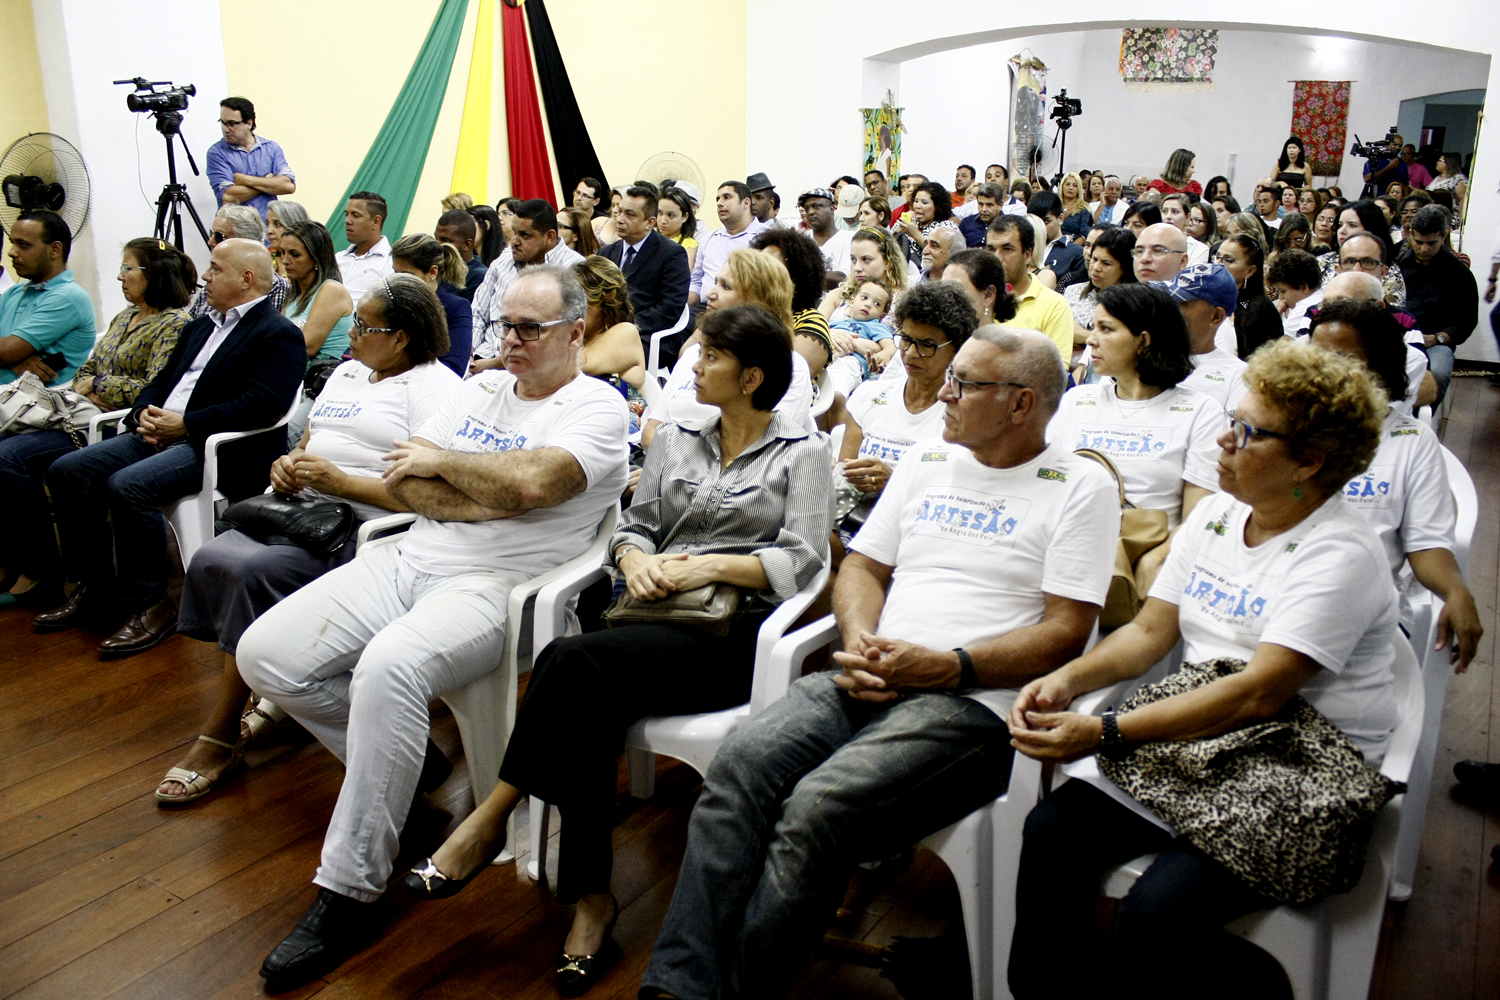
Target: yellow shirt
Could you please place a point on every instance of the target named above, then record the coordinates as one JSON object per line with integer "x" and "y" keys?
{"x": 1040, "y": 308}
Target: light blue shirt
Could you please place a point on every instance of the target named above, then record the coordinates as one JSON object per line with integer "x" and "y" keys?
{"x": 55, "y": 317}
{"x": 713, "y": 253}
{"x": 265, "y": 157}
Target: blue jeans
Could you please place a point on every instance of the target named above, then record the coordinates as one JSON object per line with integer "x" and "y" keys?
{"x": 1440, "y": 363}
{"x": 24, "y": 459}
{"x": 791, "y": 802}
{"x": 127, "y": 480}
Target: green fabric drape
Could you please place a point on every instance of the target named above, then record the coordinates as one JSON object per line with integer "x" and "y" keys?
{"x": 393, "y": 166}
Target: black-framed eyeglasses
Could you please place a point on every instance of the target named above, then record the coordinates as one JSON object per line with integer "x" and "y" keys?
{"x": 224, "y": 124}
{"x": 1243, "y": 432}
{"x": 528, "y": 332}
{"x": 214, "y": 236}
{"x": 360, "y": 329}
{"x": 957, "y": 385}
{"x": 925, "y": 348}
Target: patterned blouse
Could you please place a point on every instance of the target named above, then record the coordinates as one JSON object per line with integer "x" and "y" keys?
{"x": 1395, "y": 281}
{"x": 126, "y": 360}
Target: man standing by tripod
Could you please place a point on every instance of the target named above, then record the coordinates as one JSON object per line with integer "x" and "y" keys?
{"x": 243, "y": 168}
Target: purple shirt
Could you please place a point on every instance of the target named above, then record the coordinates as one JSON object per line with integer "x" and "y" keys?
{"x": 265, "y": 157}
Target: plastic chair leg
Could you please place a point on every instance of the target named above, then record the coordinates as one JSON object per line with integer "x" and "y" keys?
{"x": 642, "y": 765}
{"x": 541, "y": 816}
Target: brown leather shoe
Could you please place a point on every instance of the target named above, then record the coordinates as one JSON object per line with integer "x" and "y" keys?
{"x": 78, "y": 610}
{"x": 145, "y": 630}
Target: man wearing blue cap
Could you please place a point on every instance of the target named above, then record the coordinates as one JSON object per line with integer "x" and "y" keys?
{"x": 1207, "y": 294}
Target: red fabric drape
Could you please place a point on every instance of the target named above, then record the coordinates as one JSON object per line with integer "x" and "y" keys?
{"x": 530, "y": 171}
{"x": 1320, "y": 114}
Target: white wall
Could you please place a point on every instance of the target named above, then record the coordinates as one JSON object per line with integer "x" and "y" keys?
{"x": 804, "y": 140}
{"x": 83, "y": 46}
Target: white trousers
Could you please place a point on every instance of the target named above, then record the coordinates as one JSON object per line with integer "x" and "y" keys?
{"x": 356, "y": 656}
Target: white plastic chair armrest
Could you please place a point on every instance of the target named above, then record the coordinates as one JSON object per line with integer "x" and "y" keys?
{"x": 556, "y": 582}
{"x": 96, "y": 423}
{"x": 1401, "y": 750}
{"x": 653, "y": 360}
{"x": 383, "y": 527}
{"x": 216, "y": 441}
{"x": 785, "y": 664}
{"x": 1095, "y": 702}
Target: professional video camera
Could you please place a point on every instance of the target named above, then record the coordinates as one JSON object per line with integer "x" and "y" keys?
{"x": 157, "y": 96}
{"x": 1387, "y": 148}
{"x": 1066, "y": 108}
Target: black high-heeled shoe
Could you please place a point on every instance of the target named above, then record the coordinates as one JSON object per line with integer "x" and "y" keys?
{"x": 577, "y": 974}
{"x": 426, "y": 882}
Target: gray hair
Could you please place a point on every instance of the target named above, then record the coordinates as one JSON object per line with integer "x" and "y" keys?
{"x": 1033, "y": 359}
{"x": 953, "y": 237}
{"x": 246, "y": 222}
{"x": 288, "y": 213}
{"x": 991, "y": 189}
{"x": 575, "y": 300}
{"x": 1355, "y": 285}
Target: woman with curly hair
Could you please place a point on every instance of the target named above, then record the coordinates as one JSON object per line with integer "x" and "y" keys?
{"x": 930, "y": 207}
{"x": 1277, "y": 570}
{"x": 804, "y": 263}
{"x": 611, "y": 341}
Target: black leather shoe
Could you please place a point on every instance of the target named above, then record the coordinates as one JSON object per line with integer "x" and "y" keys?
{"x": 79, "y": 610}
{"x": 426, "y": 882}
{"x": 145, "y": 630}
{"x": 577, "y": 974}
{"x": 1479, "y": 776}
{"x": 326, "y": 936}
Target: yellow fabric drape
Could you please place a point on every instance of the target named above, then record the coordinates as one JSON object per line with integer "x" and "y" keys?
{"x": 471, "y": 168}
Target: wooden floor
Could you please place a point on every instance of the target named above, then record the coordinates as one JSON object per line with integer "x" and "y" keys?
{"x": 102, "y": 894}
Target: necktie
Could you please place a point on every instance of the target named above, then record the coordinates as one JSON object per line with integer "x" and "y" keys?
{"x": 629, "y": 258}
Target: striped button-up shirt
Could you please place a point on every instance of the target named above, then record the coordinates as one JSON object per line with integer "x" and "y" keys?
{"x": 774, "y": 501}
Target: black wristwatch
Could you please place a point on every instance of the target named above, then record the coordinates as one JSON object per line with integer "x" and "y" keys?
{"x": 967, "y": 679}
{"x": 1111, "y": 743}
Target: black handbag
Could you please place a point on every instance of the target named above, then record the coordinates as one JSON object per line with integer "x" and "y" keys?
{"x": 322, "y": 527}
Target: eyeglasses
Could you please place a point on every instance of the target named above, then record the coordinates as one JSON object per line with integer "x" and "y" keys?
{"x": 359, "y": 329}
{"x": 956, "y": 385}
{"x": 1156, "y": 251}
{"x": 527, "y": 332}
{"x": 214, "y": 236}
{"x": 224, "y": 124}
{"x": 1363, "y": 263}
{"x": 126, "y": 267}
{"x": 1243, "y": 432}
{"x": 925, "y": 348}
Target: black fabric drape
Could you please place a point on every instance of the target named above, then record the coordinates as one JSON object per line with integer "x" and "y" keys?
{"x": 571, "y": 145}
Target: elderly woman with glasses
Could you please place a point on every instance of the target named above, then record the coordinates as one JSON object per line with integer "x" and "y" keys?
{"x": 391, "y": 386}
{"x": 1277, "y": 570}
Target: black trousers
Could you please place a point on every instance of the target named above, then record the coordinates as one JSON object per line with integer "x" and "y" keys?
{"x": 1168, "y": 938}
{"x": 584, "y": 693}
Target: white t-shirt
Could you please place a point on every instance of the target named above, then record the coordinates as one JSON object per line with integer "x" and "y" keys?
{"x": 680, "y": 399}
{"x": 358, "y": 273}
{"x": 1296, "y": 321}
{"x": 1416, "y": 367}
{"x": 1404, "y": 495}
{"x": 586, "y": 417}
{"x": 1197, "y": 251}
{"x": 1156, "y": 443}
{"x": 355, "y": 421}
{"x": 1219, "y": 374}
{"x": 1226, "y": 339}
{"x": 887, "y": 427}
{"x": 836, "y": 251}
{"x": 1320, "y": 589}
{"x": 976, "y": 550}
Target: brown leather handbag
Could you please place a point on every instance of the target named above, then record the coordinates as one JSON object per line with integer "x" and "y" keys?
{"x": 1140, "y": 532}
{"x": 711, "y": 608}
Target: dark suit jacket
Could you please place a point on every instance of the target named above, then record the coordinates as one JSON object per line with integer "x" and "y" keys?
{"x": 248, "y": 383}
{"x": 1064, "y": 257}
{"x": 658, "y": 280}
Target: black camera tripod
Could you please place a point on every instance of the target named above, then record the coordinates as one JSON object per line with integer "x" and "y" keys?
{"x": 174, "y": 196}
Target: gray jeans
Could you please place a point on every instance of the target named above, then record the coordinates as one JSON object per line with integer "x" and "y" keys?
{"x": 792, "y": 801}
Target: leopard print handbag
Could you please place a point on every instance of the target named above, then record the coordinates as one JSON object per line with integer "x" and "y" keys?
{"x": 1287, "y": 805}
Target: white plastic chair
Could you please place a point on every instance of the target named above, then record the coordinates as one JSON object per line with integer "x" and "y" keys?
{"x": 1435, "y": 670}
{"x": 653, "y": 357}
{"x": 485, "y": 709}
{"x": 692, "y": 739}
{"x": 824, "y": 398}
{"x": 1328, "y": 948}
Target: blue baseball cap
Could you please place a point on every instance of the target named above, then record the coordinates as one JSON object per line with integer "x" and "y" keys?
{"x": 1211, "y": 283}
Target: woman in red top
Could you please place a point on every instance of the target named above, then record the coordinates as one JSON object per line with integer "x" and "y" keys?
{"x": 1177, "y": 175}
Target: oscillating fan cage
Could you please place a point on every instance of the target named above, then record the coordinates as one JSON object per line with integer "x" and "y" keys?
{"x": 671, "y": 166}
{"x": 50, "y": 159}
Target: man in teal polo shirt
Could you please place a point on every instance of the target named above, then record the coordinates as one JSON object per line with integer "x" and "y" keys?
{"x": 46, "y": 322}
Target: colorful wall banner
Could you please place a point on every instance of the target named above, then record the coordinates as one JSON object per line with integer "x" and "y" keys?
{"x": 1028, "y": 112}
{"x": 393, "y": 166}
{"x": 883, "y": 141}
{"x": 1320, "y": 114}
{"x": 530, "y": 168}
{"x": 571, "y": 146}
{"x": 1168, "y": 58}
{"x": 471, "y": 167}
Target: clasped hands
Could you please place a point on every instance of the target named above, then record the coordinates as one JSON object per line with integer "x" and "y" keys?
{"x": 1041, "y": 728}
{"x": 161, "y": 427}
{"x": 301, "y": 470}
{"x": 878, "y": 669}
{"x": 651, "y": 577}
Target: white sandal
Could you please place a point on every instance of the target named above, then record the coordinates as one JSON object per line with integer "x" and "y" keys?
{"x": 260, "y": 723}
{"x": 198, "y": 785}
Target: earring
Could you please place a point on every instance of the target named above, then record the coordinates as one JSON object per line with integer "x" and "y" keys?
{"x": 1296, "y": 493}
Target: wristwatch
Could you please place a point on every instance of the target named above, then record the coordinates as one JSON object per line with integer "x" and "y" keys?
{"x": 967, "y": 679}
{"x": 1111, "y": 743}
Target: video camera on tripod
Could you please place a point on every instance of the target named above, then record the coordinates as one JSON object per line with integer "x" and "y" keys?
{"x": 1067, "y": 108}
{"x": 167, "y": 103}
{"x": 1388, "y": 148}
